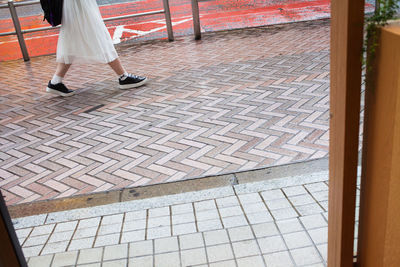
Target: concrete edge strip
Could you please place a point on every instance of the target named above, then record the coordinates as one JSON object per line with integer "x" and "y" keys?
{"x": 156, "y": 190}
{"x": 184, "y": 195}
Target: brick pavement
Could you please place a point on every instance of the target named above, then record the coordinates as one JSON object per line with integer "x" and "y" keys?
{"x": 234, "y": 100}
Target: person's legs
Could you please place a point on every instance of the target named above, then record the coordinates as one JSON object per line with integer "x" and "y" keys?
{"x": 59, "y": 75}
{"x": 62, "y": 69}
{"x": 126, "y": 80}
{"x": 117, "y": 67}
{"x": 56, "y": 85}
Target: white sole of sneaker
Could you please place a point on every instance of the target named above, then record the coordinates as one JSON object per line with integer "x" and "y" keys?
{"x": 133, "y": 85}
{"x": 49, "y": 90}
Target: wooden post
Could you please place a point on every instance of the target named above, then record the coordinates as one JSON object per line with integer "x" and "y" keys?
{"x": 346, "y": 49}
{"x": 379, "y": 232}
{"x": 10, "y": 253}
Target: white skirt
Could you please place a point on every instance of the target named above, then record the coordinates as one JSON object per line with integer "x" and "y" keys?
{"x": 83, "y": 36}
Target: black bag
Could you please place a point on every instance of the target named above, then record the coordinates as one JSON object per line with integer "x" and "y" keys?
{"x": 52, "y": 11}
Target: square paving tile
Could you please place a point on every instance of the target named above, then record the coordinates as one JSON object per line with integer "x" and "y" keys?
{"x": 204, "y": 205}
{"x": 89, "y": 223}
{"x": 61, "y": 236}
{"x": 254, "y": 261}
{"x": 158, "y": 232}
{"x": 230, "y": 211}
{"x": 141, "y": 248}
{"x": 66, "y": 226}
{"x": 309, "y": 209}
{"x": 115, "y": 252}
{"x": 219, "y": 252}
{"x": 297, "y": 240}
{"x": 207, "y": 215}
{"x": 279, "y": 259}
{"x": 281, "y": 214}
{"x": 265, "y": 229}
{"x": 183, "y": 218}
{"x": 216, "y": 237}
{"x": 182, "y": 208}
{"x": 191, "y": 241}
{"x": 303, "y": 256}
{"x": 167, "y": 259}
{"x": 259, "y": 217}
{"x": 272, "y": 195}
{"x": 135, "y": 215}
{"x": 250, "y": 198}
{"x": 112, "y": 219}
{"x": 319, "y": 235}
{"x": 39, "y": 230}
{"x": 289, "y": 225}
{"x": 32, "y": 251}
{"x": 181, "y": 229}
{"x": 133, "y": 236}
{"x": 65, "y": 259}
{"x": 106, "y": 240}
{"x": 245, "y": 248}
{"x": 144, "y": 261}
{"x": 254, "y": 207}
{"x": 271, "y": 244}
{"x": 234, "y": 221}
{"x": 209, "y": 225}
{"x": 168, "y": 244}
{"x": 313, "y": 221}
{"x": 294, "y": 190}
{"x": 36, "y": 240}
{"x": 115, "y": 263}
{"x": 134, "y": 225}
{"x": 228, "y": 263}
{"x": 193, "y": 257}
{"x": 227, "y": 202}
{"x": 240, "y": 233}
{"x": 159, "y": 221}
{"x": 81, "y": 243}
{"x": 159, "y": 212}
{"x": 41, "y": 261}
{"x": 92, "y": 255}
{"x": 56, "y": 247}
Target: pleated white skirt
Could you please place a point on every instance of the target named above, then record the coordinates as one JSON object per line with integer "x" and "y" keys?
{"x": 83, "y": 36}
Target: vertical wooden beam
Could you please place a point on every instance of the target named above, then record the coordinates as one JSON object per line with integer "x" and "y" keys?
{"x": 379, "y": 232}
{"x": 10, "y": 253}
{"x": 346, "y": 49}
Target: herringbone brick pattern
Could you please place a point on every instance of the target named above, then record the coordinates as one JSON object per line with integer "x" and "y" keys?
{"x": 232, "y": 101}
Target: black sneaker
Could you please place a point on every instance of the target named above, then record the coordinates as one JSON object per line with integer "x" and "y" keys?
{"x": 131, "y": 81}
{"x": 59, "y": 89}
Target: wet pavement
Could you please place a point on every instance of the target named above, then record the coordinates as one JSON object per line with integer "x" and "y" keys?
{"x": 211, "y": 107}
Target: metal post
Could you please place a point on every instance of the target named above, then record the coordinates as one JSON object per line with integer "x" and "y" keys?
{"x": 196, "y": 20}
{"x": 168, "y": 20}
{"x": 17, "y": 27}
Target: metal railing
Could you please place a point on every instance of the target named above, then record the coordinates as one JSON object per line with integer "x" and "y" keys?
{"x": 196, "y": 19}
{"x": 11, "y": 5}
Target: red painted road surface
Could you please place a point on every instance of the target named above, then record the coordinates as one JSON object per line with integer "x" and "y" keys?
{"x": 215, "y": 15}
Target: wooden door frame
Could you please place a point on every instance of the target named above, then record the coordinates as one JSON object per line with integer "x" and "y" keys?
{"x": 347, "y": 21}
{"x": 11, "y": 253}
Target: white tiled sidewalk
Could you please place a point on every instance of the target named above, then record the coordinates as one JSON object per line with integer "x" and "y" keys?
{"x": 279, "y": 222}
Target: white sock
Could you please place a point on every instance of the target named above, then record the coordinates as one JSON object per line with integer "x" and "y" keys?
{"x": 56, "y": 79}
{"x": 123, "y": 76}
